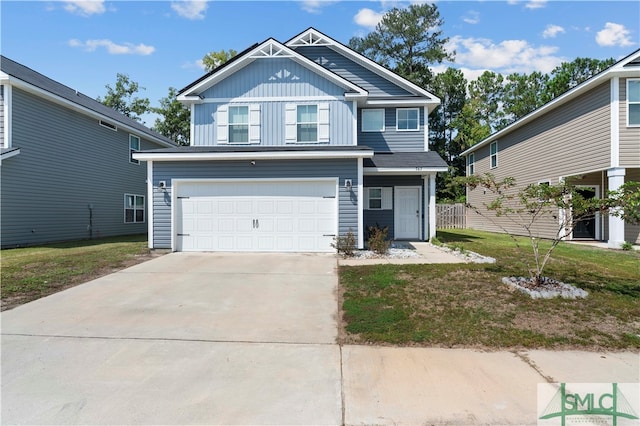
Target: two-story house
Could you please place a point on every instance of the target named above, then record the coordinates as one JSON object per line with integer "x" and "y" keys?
{"x": 293, "y": 144}
{"x": 590, "y": 134}
{"x": 67, "y": 171}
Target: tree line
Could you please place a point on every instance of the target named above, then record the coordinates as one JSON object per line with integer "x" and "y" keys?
{"x": 410, "y": 42}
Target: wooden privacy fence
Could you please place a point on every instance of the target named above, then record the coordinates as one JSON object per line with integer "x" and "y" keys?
{"x": 451, "y": 216}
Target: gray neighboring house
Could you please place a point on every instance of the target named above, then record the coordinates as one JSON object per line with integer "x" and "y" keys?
{"x": 590, "y": 133}
{"x": 66, "y": 165}
{"x": 293, "y": 144}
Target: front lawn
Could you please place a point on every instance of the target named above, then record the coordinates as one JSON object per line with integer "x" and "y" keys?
{"x": 33, "y": 272}
{"x": 466, "y": 305}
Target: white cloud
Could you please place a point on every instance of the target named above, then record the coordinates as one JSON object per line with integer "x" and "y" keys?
{"x": 190, "y": 9}
{"x": 315, "y": 6}
{"x": 614, "y": 35}
{"x": 113, "y": 48}
{"x": 506, "y": 57}
{"x": 536, "y": 4}
{"x": 472, "y": 17}
{"x": 367, "y": 18}
{"x": 197, "y": 64}
{"x": 85, "y": 7}
{"x": 552, "y": 31}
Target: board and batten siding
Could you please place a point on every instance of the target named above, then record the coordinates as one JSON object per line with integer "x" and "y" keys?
{"x": 263, "y": 169}
{"x": 570, "y": 140}
{"x": 373, "y": 83}
{"x": 391, "y": 139}
{"x": 67, "y": 162}
{"x": 272, "y": 122}
{"x": 629, "y": 136}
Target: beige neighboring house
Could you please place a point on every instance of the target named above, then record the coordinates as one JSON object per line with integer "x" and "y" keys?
{"x": 590, "y": 133}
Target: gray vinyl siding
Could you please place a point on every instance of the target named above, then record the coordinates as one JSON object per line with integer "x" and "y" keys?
{"x": 274, "y": 77}
{"x": 572, "y": 139}
{"x": 376, "y": 85}
{"x": 2, "y": 141}
{"x": 391, "y": 139}
{"x": 384, "y": 218}
{"x": 272, "y": 123}
{"x": 629, "y": 136}
{"x": 67, "y": 161}
{"x": 264, "y": 169}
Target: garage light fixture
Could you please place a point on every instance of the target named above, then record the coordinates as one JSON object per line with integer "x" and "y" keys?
{"x": 348, "y": 184}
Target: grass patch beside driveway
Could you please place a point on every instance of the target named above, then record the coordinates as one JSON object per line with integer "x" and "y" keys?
{"x": 466, "y": 305}
{"x": 34, "y": 272}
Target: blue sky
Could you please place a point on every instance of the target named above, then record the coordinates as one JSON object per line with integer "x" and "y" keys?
{"x": 84, "y": 44}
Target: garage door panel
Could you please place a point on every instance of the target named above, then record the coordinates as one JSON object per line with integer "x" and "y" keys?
{"x": 256, "y": 216}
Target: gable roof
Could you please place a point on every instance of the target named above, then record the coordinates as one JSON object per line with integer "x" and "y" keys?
{"x": 27, "y": 79}
{"x": 313, "y": 37}
{"x": 269, "y": 48}
{"x": 628, "y": 66}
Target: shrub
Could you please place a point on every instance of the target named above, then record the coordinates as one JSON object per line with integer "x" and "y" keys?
{"x": 345, "y": 244}
{"x": 435, "y": 241}
{"x": 378, "y": 241}
{"x": 626, "y": 246}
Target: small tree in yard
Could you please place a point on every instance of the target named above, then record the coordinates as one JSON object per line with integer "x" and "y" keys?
{"x": 562, "y": 204}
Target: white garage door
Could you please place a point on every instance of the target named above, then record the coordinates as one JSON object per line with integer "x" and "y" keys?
{"x": 280, "y": 216}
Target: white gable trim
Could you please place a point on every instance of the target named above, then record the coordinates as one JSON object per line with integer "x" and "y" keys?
{"x": 263, "y": 155}
{"x": 268, "y": 49}
{"x": 320, "y": 39}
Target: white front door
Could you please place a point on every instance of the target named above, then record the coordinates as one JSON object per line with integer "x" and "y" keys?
{"x": 407, "y": 212}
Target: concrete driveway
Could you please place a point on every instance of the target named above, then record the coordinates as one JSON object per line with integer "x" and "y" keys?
{"x": 182, "y": 339}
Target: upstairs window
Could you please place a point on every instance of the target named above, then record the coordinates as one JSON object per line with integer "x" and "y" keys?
{"x": 133, "y": 208}
{"x": 238, "y": 124}
{"x": 373, "y": 120}
{"x": 307, "y": 123}
{"x": 407, "y": 119}
{"x": 494, "y": 154}
{"x": 471, "y": 162}
{"x": 633, "y": 102}
{"x": 134, "y": 146}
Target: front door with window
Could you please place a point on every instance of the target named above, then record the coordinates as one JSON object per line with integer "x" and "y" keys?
{"x": 586, "y": 228}
{"x": 407, "y": 212}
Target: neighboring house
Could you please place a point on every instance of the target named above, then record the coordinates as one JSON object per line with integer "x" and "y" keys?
{"x": 66, "y": 167}
{"x": 293, "y": 144}
{"x": 590, "y": 134}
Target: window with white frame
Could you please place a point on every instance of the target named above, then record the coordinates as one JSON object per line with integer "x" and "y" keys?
{"x": 133, "y": 208}
{"x": 238, "y": 124}
{"x": 307, "y": 123}
{"x": 373, "y": 120}
{"x": 494, "y": 154}
{"x": 134, "y": 146}
{"x": 378, "y": 198}
{"x": 633, "y": 102}
{"x": 407, "y": 119}
{"x": 471, "y": 162}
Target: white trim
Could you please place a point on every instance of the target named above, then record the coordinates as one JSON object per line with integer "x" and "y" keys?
{"x": 266, "y": 155}
{"x": 635, "y": 102}
{"x": 8, "y": 99}
{"x": 175, "y": 185}
{"x": 403, "y": 170}
{"x": 470, "y": 163}
{"x": 616, "y": 70}
{"x": 432, "y": 206}
{"x": 615, "y": 179}
{"x": 133, "y": 160}
{"x": 417, "y": 129}
{"x": 427, "y": 217}
{"x": 192, "y": 124}
{"x": 360, "y": 205}
{"x": 150, "y": 203}
{"x": 79, "y": 108}
{"x": 396, "y": 218}
{"x": 135, "y": 209}
{"x": 293, "y": 99}
{"x": 391, "y": 102}
{"x": 258, "y": 53}
{"x": 364, "y": 61}
{"x": 9, "y": 154}
{"x": 426, "y": 128}
{"x": 615, "y": 121}
{"x": 491, "y": 166}
{"x": 382, "y": 110}
{"x": 354, "y": 121}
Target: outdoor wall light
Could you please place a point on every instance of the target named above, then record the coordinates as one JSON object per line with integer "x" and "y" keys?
{"x": 253, "y": 162}
{"x": 348, "y": 184}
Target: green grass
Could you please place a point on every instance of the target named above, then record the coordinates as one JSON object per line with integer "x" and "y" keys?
{"x": 466, "y": 305}
{"x": 33, "y": 272}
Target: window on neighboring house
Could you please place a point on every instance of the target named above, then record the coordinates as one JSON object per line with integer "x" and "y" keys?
{"x": 134, "y": 145}
{"x": 471, "y": 160}
{"x": 373, "y": 120}
{"x": 407, "y": 119}
{"x": 133, "y": 208}
{"x": 378, "y": 198}
{"x": 307, "y": 123}
{"x": 238, "y": 124}
{"x": 494, "y": 154}
{"x": 633, "y": 102}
